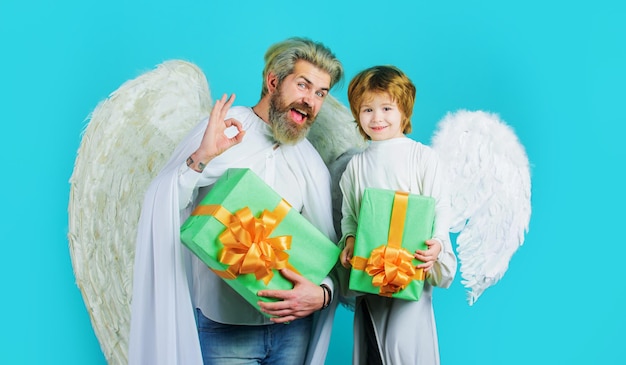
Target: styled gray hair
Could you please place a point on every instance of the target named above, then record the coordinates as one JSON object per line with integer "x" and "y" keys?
{"x": 281, "y": 57}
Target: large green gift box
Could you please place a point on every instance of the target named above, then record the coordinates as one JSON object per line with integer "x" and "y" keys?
{"x": 391, "y": 226}
{"x": 245, "y": 232}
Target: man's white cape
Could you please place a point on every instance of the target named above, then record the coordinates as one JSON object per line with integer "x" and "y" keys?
{"x": 131, "y": 135}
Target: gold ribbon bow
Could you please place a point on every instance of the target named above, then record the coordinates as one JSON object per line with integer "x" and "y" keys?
{"x": 391, "y": 265}
{"x": 248, "y": 247}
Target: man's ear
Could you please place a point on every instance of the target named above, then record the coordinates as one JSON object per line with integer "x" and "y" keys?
{"x": 272, "y": 82}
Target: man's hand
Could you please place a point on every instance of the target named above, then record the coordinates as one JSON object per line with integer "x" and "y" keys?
{"x": 429, "y": 256}
{"x": 215, "y": 141}
{"x": 304, "y": 299}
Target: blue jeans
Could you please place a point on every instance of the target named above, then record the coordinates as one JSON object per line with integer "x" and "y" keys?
{"x": 224, "y": 344}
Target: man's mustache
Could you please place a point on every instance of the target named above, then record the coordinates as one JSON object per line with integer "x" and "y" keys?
{"x": 303, "y": 107}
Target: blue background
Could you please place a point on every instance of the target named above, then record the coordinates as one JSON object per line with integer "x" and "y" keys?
{"x": 553, "y": 70}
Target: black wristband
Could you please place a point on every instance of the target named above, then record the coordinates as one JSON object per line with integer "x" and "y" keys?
{"x": 327, "y": 293}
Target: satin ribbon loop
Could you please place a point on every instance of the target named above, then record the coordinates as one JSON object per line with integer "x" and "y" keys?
{"x": 248, "y": 249}
{"x": 391, "y": 269}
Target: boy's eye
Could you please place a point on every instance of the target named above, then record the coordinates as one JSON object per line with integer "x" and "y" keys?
{"x": 301, "y": 85}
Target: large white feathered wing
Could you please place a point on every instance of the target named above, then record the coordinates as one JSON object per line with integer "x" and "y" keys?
{"x": 334, "y": 131}
{"x": 336, "y": 137}
{"x": 128, "y": 138}
{"x": 490, "y": 187}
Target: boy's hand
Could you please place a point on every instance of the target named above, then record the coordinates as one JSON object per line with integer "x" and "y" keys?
{"x": 347, "y": 253}
{"x": 428, "y": 257}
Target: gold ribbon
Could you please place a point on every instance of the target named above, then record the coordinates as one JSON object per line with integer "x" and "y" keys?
{"x": 391, "y": 266}
{"x": 248, "y": 247}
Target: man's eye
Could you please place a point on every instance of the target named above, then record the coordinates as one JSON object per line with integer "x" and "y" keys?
{"x": 301, "y": 85}
{"x": 321, "y": 94}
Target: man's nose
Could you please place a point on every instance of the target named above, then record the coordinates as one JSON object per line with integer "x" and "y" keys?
{"x": 308, "y": 98}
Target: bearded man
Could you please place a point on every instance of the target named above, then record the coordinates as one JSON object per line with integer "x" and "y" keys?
{"x": 170, "y": 282}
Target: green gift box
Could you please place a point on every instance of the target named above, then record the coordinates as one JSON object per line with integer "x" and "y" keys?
{"x": 391, "y": 226}
{"x": 245, "y": 232}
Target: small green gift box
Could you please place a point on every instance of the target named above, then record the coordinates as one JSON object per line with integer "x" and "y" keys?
{"x": 391, "y": 226}
{"x": 245, "y": 232}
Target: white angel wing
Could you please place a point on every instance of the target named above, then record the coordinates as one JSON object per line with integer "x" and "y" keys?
{"x": 336, "y": 137}
{"x": 490, "y": 186}
{"x": 129, "y": 137}
{"x": 334, "y": 131}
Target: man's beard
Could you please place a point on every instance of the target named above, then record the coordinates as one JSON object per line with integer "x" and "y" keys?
{"x": 285, "y": 130}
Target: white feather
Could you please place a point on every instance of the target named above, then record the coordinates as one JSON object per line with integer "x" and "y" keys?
{"x": 489, "y": 176}
{"x": 336, "y": 137}
{"x": 128, "y": 138}
{"x": 334, "y": 131}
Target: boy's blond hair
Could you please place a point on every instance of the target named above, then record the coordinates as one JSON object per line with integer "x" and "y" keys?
{"x": 383, "y": 79}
